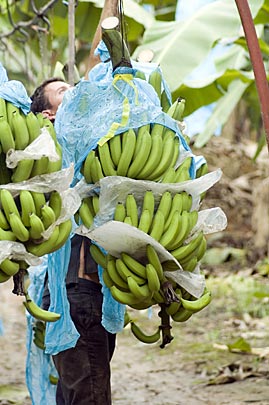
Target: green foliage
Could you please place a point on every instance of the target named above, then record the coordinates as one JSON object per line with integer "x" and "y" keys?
{"x": 31, "y": 54}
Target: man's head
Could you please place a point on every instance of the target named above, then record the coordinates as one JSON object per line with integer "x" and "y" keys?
{"x": 48, "y": 96}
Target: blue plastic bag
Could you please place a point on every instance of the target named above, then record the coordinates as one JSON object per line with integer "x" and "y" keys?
{"x": 14, "y": 91}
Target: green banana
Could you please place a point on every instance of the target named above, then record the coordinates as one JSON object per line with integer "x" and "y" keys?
{"x": 186, "y": 201}
{"x": 39, "y": 343}
{"x": 55, "y": 202}
{"x": 85, "y": 214}
{"x": 40, "y": 117}
{"x": 27, "y": 206}
{"x": 4, "y": 224}
{"x": 166, "y": 157}
{"x": 9, "y": 267}
{"x": 202, "y": 170}
{"x": 36, "y": 226}
{"x": 145, "y": 221}
{"x": 165, "y": 204}
{"x": 153, "y": 278}
{"x": 165, "y": 103}
{"x": 50, "y": 127}
{"x": 45, "y": 247}
{"x": 176, "y": 205}
{"x": 23, "y": 170}
{"x": 128, "y": 220}
{"x": 7, "y": 235}
{"x": 95, "y": 203}
{"x": 149, "y": 203}
{"x": 140, "y": 335}
{"x": 135, "y": 266}
{"x": 125, "y": 272}
{"x": 169, "y": 175}
{"x": 197, "y": 304}
{"x": 128, "y": 148}
{"x": 182, "y": 315}
{"x": 120, "y": 212}
{"x": 153, "y": 259}
{"x": 183, "y": 171}
{"x": 140, "y": 75}
{"x": 183, "y": 232}
{"x": 18, "y": 228}
{"x": 106, "y": 161}
{"x": 96, "y": 170}
{"x": 158, "y": 297}
{"x": 114, "y": 275}
{"x": 55, "y": 166}
{"x": 154, "y": 158}
{"x": 107, "y": 279}
{"x": 142, "y": 292}
{"x": 6, "y": 136}
{"x": 141, "y": 153}
{"x": 20, "y": 131}
{"x": 202, "y": 249}
{"x": 177, "y": 109}
{"x": 64, "y": 232}
{"x": 8, "y": 203}
{"x": 11, "y": 109}
{"x": 3, "y": 277}
{"x": 131, "y": 209}
{"x": 53, "y": 379}
{"x": 40, "y": 166}
{"x": 155, "y": 79}
{"x": 86, "y": 167}
{"x": 33, "y": 126}
{"x": 157, "y": 226}
{"x": 39, "y": 313}
{"x": 3, "y": 108}
{"x": 156, "y": 130}
{"x": 47, "y": 216}
{"x": 98, "y": 256}
{"x": 115, "y": 148}
{"x": 169, "y": 235}
{"x": 39, "y": 200}
{"x": 190, "y": 264}
{"x": 185, "y": 250}
{"x": 126, "y": 298}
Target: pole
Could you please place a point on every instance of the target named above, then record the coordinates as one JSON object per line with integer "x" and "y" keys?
{"x": 71, "y": 42}
{"x": 257, "y": 62}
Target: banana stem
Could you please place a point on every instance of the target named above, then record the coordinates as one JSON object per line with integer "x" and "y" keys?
{"x": 256, "y": 60}
{"x": 169, "y": 293}
{"x": 165, "y": 327}
{"x": 115, "y": 44}
{"x": 18, "y": 282}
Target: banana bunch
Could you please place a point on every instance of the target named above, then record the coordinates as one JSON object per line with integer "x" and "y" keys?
{"x": 24, "y": 219}
{"x": 142, "y": 284}
{"x": 17, "y": 131}
{"x": 39, "y": 330}
{"x": 170, "y": 222}
{"x": 88, "y": 209}
{"x": 131, "y": 282}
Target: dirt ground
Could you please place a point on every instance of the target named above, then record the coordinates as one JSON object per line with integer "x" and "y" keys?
{"x": 195, "y": 368}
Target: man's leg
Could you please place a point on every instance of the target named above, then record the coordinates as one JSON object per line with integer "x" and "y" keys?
{"x": 85, "y": 369}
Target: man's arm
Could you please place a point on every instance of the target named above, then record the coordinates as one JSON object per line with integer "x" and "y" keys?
{"x": 110, "y": 9}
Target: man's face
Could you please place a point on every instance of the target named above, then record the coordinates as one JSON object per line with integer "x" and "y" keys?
{"x": 54, "y": 92}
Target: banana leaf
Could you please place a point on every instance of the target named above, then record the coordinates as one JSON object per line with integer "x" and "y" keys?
{"x": 180, "y": 47}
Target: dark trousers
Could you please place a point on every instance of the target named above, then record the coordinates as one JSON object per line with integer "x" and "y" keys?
{"x": 84, "y": 371}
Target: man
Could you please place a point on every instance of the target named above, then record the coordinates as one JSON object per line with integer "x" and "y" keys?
{"x": 84, "y": 371}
